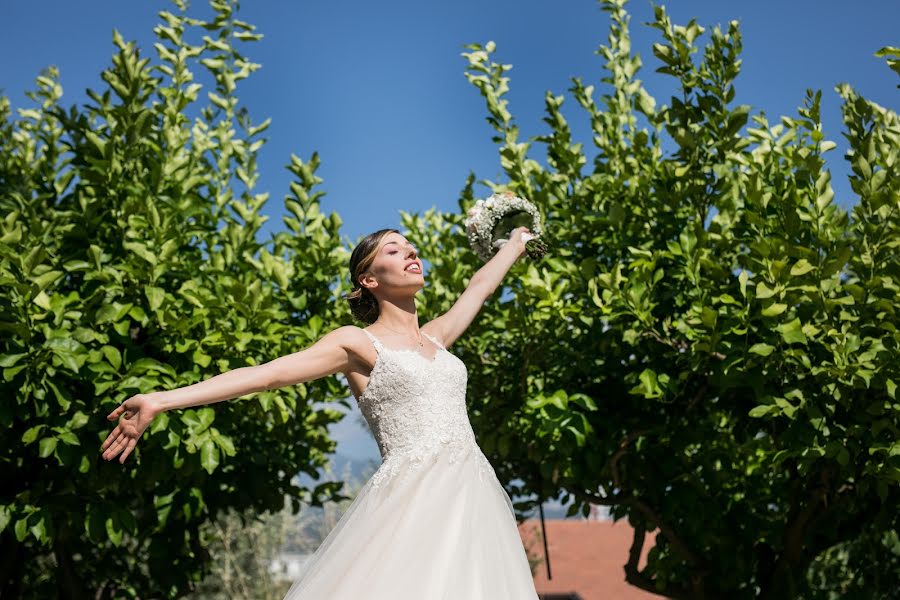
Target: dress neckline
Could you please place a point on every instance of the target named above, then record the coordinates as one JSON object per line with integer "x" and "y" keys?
{"x": 412, "y": 350}
{"x": 379, "y": 348}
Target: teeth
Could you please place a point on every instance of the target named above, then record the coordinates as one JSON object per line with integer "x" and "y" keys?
{"x": 414, "y": 268}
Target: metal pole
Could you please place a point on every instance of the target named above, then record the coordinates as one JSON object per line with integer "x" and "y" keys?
{"x": 544, "y": 535}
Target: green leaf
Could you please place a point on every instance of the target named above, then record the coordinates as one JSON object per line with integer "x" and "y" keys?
{"x": 114, "y": 531}
{"x": 792, "y": 332}
{"x": 21, "y": 529}
{"x": 113, "y": 355}
{"x": 94, "y": 139}
{"x": 209, "y": 456}
{"x": 155, "y": 296}
{"x": 31, "y": 433}
{"x": 761, "y": 410}
{"x": 218, "y": 100}
{"x": 39, "y": 530}
{"x": 559, "y": 399}
{"x": 774, "y": 309}
{"x": 5, "y": 517}
{"x": 801, "y": 267}
{"x": 224, "y": 442}
{"x": 763, "y": 291}
{"x": 70, "y": 352}
{"x": 198, "y": 419}
{"x": 583, "y": 400}
{"x": 650, "y": 384}
{"x": 44, "y": 280}
{"x": 42, "y": 300}
{"x": 762, "y": 349}
{"x": 8, "y": 360}
{"x": 142, "y": 251}
{"x": 47, "y": 446}
{"x": 69, "y": 438}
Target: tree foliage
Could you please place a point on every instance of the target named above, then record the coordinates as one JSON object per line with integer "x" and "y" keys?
{"x": 712, "y": 347}
{"x": 129, "y": 262}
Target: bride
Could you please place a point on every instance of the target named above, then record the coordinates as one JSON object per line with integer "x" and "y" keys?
{"x": 433, "y": 521}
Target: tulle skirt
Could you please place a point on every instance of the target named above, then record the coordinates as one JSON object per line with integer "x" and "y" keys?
{"x": 437, "y": 526}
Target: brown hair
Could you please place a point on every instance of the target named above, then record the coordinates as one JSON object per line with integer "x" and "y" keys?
{"x": 363, "y": 303}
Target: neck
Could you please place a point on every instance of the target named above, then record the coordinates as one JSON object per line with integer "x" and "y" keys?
{"x": 399, "y": 314}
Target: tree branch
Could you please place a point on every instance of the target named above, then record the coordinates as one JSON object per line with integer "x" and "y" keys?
{"x": 638, "y": 579}
{"x": 680, "y": 546}
{"x": 700, "y": 566}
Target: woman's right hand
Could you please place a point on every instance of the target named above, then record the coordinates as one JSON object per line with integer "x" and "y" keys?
{"x": 137, "y": 413}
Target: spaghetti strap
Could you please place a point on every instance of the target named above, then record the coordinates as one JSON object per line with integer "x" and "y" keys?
{"x": 375, "y": 341}
{"x": 436, "y": 343}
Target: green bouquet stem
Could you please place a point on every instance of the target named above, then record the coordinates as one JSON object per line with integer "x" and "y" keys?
{"x": 536, "y": 248}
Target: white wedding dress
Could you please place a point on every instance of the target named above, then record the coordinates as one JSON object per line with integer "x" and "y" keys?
{"x": 433, "y": 522}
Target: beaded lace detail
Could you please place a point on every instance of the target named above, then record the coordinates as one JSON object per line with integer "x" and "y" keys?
{"x": 416, "y": 409}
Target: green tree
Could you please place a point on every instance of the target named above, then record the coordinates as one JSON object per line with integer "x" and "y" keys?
{"x": 129, "y": 262}
{"x": 711, "y": 349}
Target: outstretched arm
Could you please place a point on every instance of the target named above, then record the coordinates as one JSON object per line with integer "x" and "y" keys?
{"x": 450, "y": 325}
{"x": 329, "y": 355}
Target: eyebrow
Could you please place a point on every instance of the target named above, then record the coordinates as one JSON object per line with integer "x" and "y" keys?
{"x": 386, "y": 243}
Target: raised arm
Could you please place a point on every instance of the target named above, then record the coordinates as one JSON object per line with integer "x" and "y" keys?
{"x": 329, "y": 355}
{"x": 450, "y": 325}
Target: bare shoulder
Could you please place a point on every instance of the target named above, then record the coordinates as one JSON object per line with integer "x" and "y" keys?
{"x": 349, "y": 337}
{"x": 361, "y": 354}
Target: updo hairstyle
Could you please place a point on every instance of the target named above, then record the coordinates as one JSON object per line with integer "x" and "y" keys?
{"x": 363, "y": 304}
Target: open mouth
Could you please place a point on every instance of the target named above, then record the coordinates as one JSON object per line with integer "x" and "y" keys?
{"x": 414, "y": 269}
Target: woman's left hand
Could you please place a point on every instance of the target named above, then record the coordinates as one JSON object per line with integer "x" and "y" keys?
{"x": 137, "y": 413}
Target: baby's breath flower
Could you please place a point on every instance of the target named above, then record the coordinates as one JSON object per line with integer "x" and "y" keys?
{"x": 490, "y": 222}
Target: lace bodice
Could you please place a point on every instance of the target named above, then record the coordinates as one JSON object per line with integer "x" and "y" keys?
{"x": 416, "y": 406}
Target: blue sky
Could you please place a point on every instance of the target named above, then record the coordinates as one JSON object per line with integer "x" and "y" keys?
{"x": 378, "y": 88}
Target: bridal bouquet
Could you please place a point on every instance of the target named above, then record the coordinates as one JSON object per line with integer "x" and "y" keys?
{"x": 490, "y": 222}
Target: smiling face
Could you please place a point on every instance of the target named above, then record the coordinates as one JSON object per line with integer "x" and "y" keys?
{"x": 396, "y": 267}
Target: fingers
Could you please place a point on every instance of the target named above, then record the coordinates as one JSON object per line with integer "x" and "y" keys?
{"x": 118, "y": 441}
{"x": 128, "y": 449}
{"x": 111, "y": 437}
{"x": 116, "y": 413}
{"x": 115, "y": 448}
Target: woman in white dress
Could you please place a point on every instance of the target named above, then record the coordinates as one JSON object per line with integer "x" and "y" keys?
{"x": 433, "y": 522}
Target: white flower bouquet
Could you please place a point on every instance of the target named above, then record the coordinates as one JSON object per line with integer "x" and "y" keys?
{"x": 490, "y": 222}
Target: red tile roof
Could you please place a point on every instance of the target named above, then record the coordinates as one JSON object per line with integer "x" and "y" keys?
{"x": 587, "y": 557}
